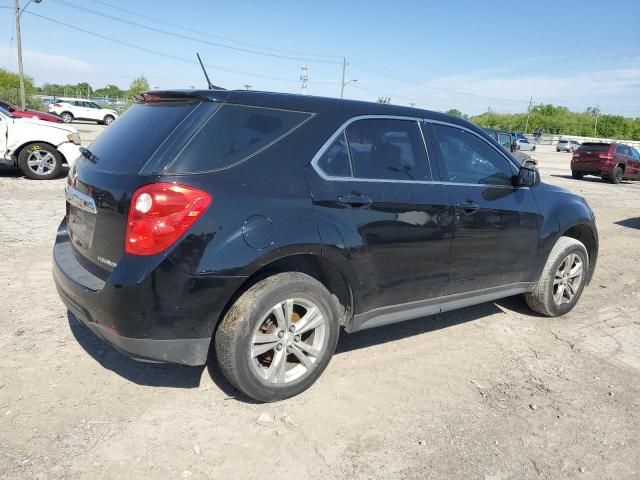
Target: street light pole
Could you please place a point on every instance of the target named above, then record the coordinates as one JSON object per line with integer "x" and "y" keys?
{"x": 23, "y": 100}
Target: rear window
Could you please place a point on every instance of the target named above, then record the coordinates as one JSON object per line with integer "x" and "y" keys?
{"x": 128, "y": 143}
{"x": 563, "y": 141}
{"x": 595, "y": 147}
{"x": 233, "y": 134}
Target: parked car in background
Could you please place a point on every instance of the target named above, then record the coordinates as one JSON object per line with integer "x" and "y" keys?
{"x": 27, "y": 113}
{"x": 266, "y": 222}
{"x": 506, "y": 141}
{"x": 518, "y": 136}
{"x": 73, "y": 109}
{"x": 611, "y": 161}
{"x": 36, "y": 147}
{"x": 567, "y": 146}
{"x": 524, "y": 145}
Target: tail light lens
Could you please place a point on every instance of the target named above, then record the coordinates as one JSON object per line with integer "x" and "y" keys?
{"x": 160, "y": 213}
{"x": 576, "y": 155}
{"x": 606, "y": 156}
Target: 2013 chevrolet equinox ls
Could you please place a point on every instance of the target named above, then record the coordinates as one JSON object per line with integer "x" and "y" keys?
{"x": 264, "y": 222}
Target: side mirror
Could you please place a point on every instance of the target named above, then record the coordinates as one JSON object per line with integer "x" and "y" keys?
{"x": 527, "y": 177}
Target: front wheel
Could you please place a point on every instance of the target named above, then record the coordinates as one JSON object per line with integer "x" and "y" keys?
{"x": 278, "y": 337}
{"x": 40, "y": 161}
{"x": 108, "y": 120}
{"x": 562, "y": 280}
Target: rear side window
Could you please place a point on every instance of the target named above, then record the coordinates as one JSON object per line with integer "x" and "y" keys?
{"x": 128, "y": 144}
{"x": 233, "y": 134}
{"x": 504, "y": 140}
{"x": 387, "y": 149}
{"x": 335, "y": 160}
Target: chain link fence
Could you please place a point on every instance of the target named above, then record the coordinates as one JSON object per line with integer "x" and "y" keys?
{"x": 552, "y": 139}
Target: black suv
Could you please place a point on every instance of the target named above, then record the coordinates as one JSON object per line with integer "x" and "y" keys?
{"x": 255, "y": 225}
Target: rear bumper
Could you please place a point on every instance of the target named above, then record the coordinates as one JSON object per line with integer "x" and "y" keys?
{"x": 590, "y": 169}
{"x": 167, "y": 317}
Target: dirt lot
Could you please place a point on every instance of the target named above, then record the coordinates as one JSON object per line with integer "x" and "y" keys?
{"x": 489, "y": 392}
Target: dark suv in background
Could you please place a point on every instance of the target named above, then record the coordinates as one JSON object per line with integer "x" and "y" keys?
{"x": 611, "y": 161}
{"x": 508, "y": 143}
{"x": 255, "y": 225}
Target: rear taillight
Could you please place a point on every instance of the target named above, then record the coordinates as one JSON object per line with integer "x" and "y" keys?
{"x": 576, "y": 155}
{"x": 606, "y": 156}
{"x": 160, "y": 213}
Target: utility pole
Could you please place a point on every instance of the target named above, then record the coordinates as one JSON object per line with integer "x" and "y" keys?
{"x": 23, "y": 100}
{"x": 595, "y": 128}
{"x": 526, "y": 126}
{"x": 344, "y": 69}
{"x": 344, "y": 76}
{"x": 304, "y": 76}
{"x": 247, "y": 86}
{"x": 413, "y": 104}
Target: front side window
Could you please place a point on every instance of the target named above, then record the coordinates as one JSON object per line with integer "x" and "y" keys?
{"x": 387, "y": 149}
{"x": 469, "y": 159}
{"x": 233, "y": 134}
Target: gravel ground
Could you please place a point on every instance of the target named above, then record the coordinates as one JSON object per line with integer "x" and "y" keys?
{"x": 488, "y": 392}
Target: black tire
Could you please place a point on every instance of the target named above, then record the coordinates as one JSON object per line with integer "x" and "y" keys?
{"x": 67, "y": 117}
{"x": 533, "y": 149}
{"x": 558, "y": 150}
{"x": 50, "y": 168}
{"x": 541, "y": 299}
{"x": 577, "y": 175}
{"x": 233, "y": 338}
{"x": 108, "y": 120}
{"x": 616, "y": 175}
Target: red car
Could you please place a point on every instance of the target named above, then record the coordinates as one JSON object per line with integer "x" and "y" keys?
{"x": 611, "y": 161}
{"x": 18, "y": 112}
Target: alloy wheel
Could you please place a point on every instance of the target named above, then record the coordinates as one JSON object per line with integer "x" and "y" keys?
{"x": 41, "y": 162}
{"x": 288, "y": 341}
{"x": 568, "y": 279}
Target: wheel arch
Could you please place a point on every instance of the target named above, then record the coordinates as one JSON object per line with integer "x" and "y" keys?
{"x": 16, "y": 152}
{"x": 312, "y": 264}
{"x": 587, "y": 235}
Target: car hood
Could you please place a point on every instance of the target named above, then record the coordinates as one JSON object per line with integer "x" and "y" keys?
{"x": 43, "y": 123}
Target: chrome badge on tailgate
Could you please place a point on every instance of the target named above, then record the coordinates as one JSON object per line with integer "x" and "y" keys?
{"x": 80, "y": 200}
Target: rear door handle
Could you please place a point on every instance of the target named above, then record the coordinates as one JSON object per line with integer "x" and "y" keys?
{"x": 468, "y": 207}
{"x": 355, "y": 200}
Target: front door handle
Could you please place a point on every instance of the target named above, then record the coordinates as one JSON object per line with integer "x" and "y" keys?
{"x": 468, "y": 207}
{"x": 355, "y": 200}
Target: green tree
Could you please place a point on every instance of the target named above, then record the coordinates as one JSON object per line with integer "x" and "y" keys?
{"x": 384, "y": 100}
{"x": 138, "y": 85}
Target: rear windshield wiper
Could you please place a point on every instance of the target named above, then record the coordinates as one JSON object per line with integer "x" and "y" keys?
{"x": 86, "y": 153}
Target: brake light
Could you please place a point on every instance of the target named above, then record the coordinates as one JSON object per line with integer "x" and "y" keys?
{"x": 576, "y": 155}
{"x": 606, "y": 156}
{"x": 160, "y": 213}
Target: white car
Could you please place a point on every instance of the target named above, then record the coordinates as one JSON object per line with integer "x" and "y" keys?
{"x": 36, "y": 147}
{"x": 524, "y": 145}
{"x": 73, "y": 109}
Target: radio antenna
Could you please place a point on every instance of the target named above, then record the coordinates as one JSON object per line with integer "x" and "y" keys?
{"x": 211, "y": 85}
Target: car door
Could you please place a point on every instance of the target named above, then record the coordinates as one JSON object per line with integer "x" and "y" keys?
{"x": 634, "y": 161}
{"x": 381, "y": 216}
{"x": 496, "y": 225}
{"x": 3, "y": 135}
{"x": 93, "y": 111}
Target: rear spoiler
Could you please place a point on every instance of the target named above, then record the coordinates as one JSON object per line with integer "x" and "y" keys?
{"x": 158, "y": 96}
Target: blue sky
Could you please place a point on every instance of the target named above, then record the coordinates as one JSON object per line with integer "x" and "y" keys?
{"x": 469, "y": 55}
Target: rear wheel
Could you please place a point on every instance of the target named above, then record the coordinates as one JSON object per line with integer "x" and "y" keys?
{"x": 40, "y": 161}
{"x": 616, "y": 175}
{"x": 66, "y": 117}
{"x": 577, "y": 175}
{"x": 278, "y": 337}
{"x": 562, "y": 280}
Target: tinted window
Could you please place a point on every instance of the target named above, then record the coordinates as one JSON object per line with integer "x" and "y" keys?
{"x": 563, "y": 141}
{"x": 233, "y": 134}
{"x": 131, "y": 141}
{"x": 594, "y": 147}
{"x": 387, "y": 149}
{"x": 469, "y": 159}
{"x": 335, "y": 160}
{"x": 619, "y": 149}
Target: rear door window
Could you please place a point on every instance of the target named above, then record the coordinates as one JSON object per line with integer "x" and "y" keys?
{"x": 233, "y": 134}
{"x": 504, "y": 140}
{"x": 387, "y": 149}
{"x": 335, "y": 160}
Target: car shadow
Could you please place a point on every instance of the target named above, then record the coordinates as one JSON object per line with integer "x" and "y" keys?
{"x": 588, "y": 179}
{"x": 181, "y": 376}
{"x": 140, "y": 373}
{"x": 14, "y": 172}
{"x": 630, "y": 222}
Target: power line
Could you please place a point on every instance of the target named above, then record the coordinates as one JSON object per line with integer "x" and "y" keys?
{"x": 206, "y": 34}
{"x": 162, "y": 54}
{"x": 186, "y": 37}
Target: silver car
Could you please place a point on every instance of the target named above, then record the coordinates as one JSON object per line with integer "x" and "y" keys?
{"x": 524, "y": 145}
{"x": 567, "y": 146}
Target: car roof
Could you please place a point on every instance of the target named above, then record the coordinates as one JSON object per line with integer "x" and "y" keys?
{"x": 311, "y": 104}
